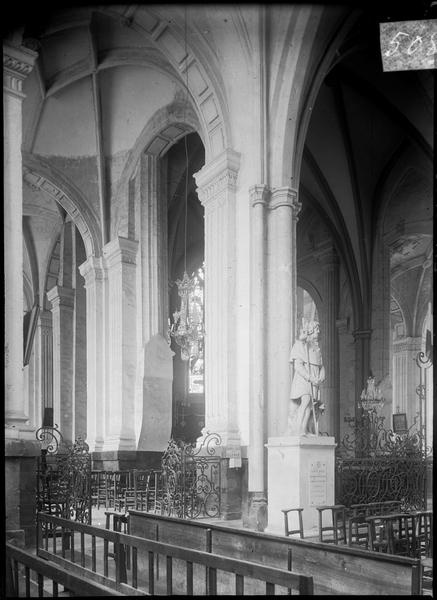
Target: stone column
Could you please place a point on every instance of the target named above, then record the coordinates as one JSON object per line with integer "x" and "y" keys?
{"x": 284, "y": 209}
{"x": 330, "y": 422}
{"x": 80, "y": 342}
{"x": 381, "y": 335}
{"x": 216, "y": 188}
{"x": 62, "y": 300}
{"x": 17, "y": 64}
{"x": 154, "y": 260}
{"x": 256, "y": 451}
{"x": 406, "y": 377}
{"x": 44, "y": 355}
{"x": 347, "y": 377}
{"x": 120, "y": 259}
{"x": 362, "y": 363}
{"x": 92, "y": 270}
{"x": 21, "y": 446}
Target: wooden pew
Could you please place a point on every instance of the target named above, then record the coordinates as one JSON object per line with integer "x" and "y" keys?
{"x": 20, "y": 582}
{"x": 335, "y": 569}
{"x": 181, "y": 568}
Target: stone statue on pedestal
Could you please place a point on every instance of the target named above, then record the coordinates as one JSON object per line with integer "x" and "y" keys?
{"x": 309, "y": 372}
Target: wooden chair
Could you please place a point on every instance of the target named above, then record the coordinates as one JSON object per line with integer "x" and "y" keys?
{"x": 117, "y": 483}
{"x": 338, "y": 523}
{"x": 427, "y": 576}
{"x": 98, "y": 488}
{"x": 423, "y": 534}
{"x": 391, "y": 533}
{"x": 289, "y": 531}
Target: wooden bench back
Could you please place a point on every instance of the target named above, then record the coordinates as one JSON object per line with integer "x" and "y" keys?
{"x": 335, "y": 569}
{"x": 225, "y": 575}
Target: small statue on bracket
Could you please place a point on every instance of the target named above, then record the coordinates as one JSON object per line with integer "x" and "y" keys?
{"x": 309, "y": 373}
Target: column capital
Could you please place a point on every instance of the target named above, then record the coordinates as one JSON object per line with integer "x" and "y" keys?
{"x": 120, "y": 250}
{"x": 217, "y": 177}
{"x": 91, "y": 270}
{"x": 259, "y": 194}
{"x": 17, "y": 64}
{"x": 61, "y": 296}
{"x": 285, "y": 196}
{"x": 362, "y": 334}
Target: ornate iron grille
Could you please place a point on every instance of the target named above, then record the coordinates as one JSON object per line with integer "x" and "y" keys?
{"x": 191, "y": 479}
{"x": 64, "y": 482}
{"x": 374, "y": 464}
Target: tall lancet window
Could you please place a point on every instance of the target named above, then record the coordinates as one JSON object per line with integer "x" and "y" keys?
{"x": 196, "y": 363}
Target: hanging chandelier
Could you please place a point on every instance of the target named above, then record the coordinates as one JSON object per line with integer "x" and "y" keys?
{"x": 187, "y": 328}
{"x": 371, "y": 397}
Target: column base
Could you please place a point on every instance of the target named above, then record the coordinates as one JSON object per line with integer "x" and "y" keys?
{"x": 301, "y": 473}
{"x": 123, "y": 460}
{"x": 20, "y": 483}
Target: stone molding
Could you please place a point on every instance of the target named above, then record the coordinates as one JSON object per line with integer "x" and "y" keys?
{"x": 218, "y": 177}
{"x": 40, "y": 177}
{"x": 285, "y": 196}
{"x": 362, "y": 334}
{"x": 259, "y": 194}
{"x": 17, "y": 64}
{"x": 408, "y": 344}
{"x": 120, "y": 250}
{"x": 92, "y": 270}
{"x": 61, "y": 296}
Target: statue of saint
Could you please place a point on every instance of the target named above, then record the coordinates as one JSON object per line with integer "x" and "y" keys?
{"x": 309, "y": 373}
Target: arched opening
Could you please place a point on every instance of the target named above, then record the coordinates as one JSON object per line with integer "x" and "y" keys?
{"x": 186, "y": 254}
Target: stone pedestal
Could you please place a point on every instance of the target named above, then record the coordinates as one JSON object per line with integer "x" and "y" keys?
{"x": 157, "y": 395}
{"x": 301, "y": 473}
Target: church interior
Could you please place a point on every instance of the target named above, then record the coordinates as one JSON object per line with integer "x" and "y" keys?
{"x": 186, "y": 188}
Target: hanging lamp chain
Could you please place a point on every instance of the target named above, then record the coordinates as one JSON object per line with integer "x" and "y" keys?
{"x": 187, "y": 327}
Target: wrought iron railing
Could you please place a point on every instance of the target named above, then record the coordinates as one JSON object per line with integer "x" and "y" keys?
{"x": 64, "y": 482}
{"x": 191, "y": 479}
{"x": 374, "y": 464}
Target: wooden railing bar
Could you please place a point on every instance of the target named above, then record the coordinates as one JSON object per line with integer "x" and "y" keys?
{"x": 105, "y": 557}
{"x": 189, "y": 578}
{"x": 208, "y": 548}
{"x": 40, "y": 579}
{"x": 239, "y": 585}
{"x": 289, "y": 566}
{"x": 72, "y": 550}
{"x": 117, "y": 558}
{"x": 270, "y": 589}
{"x": 63, "y": 541}
{"x": 16, "y": 580}
{"x": 212, "y": 580}
{"x": 151, "y": 573}
{"x": 55, "y": 590}
{"x": 27, "y": 577}
{"x": 93, "y": 553}
{"x": 169, "y": 576}
{"x": 134, "y": 568}
{"x": 157, "y": 555}
{"x": 306, "y": 586}
{"x": 82, "y": 548}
